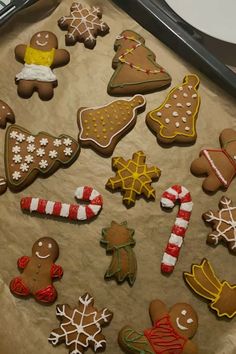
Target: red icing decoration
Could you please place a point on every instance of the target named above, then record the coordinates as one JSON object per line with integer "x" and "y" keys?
{"x": 47, "y": 295}
{"x": 172, "y": 250}
{"x": 57, "y": 208}
{"x": 23, "y": 261}
{"x": 87, "y": 193}
{"x": 18, "y": 287}
{"x": 42, "y": 206}
{"x": 56, "y": 271}
{"x": 73, "y": 211}
{"x": 89, "y": 212}
{"x": 178, "y": 230}
{"x": 164, "y": 338}
{"x": 25, "y": 203}
{"x": 97, "y": 201}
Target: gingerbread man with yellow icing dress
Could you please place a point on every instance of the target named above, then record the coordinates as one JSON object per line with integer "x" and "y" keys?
{"x": 38, "y": 272}
{"x": 39, "y": 57}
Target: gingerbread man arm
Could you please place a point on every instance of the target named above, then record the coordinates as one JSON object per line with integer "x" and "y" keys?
{"x": 157, "y": 310}
{"x": 20, "y": 52}
{"x": 22, "y": 262}
{"x": 190, "y": 348}
{"x": 61, "y": 58}
{"x": 56, "y": 271}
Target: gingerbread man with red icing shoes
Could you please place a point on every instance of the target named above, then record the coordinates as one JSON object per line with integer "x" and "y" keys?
{"x": 38, "y": 272}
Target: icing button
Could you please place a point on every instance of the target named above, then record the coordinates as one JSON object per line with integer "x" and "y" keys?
{"x": 185, "y": 94}
{"x": 184, "y": 119}
{"x": 194, "y": 95}
{"x": 175, "y": 114}
{"x": 179, "y": 105}
{"x": 177, "y": 124}
{"x": 188, "y": 104}
{"x": 175, "y": 96}
{"x": 167, "y": 120}
{"x": 189, "y": 113}
{"x": 187, "y": 128}
{"x": 159, "y": 114}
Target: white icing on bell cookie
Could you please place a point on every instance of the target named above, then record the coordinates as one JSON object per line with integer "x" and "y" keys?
{"x": 175, "y": 114}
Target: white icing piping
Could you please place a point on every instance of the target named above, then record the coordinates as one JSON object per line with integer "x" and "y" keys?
{"x": 222, "y": 179}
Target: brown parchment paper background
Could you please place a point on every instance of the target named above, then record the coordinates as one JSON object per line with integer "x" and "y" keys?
{"x": 25, "y": 324}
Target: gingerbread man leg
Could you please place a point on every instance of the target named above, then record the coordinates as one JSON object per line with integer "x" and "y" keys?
{"x": 45, "y": 90}
{"x": 47, "y": 295}
{"x": 18, "y": 287}
{"x": 211, "y": 183}
{"x": 25, "y": 88}
{"x": 132, "y": 342}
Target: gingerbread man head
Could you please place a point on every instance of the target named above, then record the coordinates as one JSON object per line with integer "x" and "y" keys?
{"x": 184, "y": 319}
{"x": 45, "y": 249}
{"x": 44, "y": 40}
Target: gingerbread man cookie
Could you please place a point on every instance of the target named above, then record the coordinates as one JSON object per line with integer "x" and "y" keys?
{"x": 102, "y": 127}
{"x": 223, "y": 223}
{"x": 136, "y": 70}
{"x": 6, "y": 115}
{"x": 39, "y": 57}
{"x": 81, "y": 327}
{"x": 38, "y": 272}
{"x": 171, "y": 332}
{"x": 83, "y": 25}
{"x": 218, "y": 164}
{"x": 174, "y": 121}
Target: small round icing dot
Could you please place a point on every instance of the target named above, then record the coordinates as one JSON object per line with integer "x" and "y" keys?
{"x": 189, "y": 113}
{"x": 187, "y": 128}
{"x": 175, "y": 114}
{"x": 105, "y": 136}
{"x": 167, "y": 120}
{"x": 181, "y": 88}
{"x": 85, "y": 121}
{"x": 167, "y": 105}
{"x": 159, "y": 114}
{"x": 184, "y": 119}
{"x": 95, "y": 125}
{"x": 94, "y": 119}
{"x": 188, "y": 104}
{"x": 95, "y": 130}
{"x": 179, "y": 105}
{"x": 102, "y": 118}
{"x": 194, "y": 95}
{"x": 177, "y": 124}
{"x": 234, "y": 157}
{"x": 175, "y": 96}
{"x": 185, "y": 94}
{"x": 3, "y": 107}
{"x": 104, "y": 130}
{"x": 190, "y": 87}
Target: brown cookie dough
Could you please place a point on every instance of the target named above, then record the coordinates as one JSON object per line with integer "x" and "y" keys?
{"x": 38, "y": 58}
{"x": 6, "y": 115}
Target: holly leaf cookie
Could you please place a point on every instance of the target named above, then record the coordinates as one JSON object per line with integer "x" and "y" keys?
{"x": 136, "y": 70}
{"x": 174, "y": 121}
{"x": 102, "y": 127}
{"x": 83, "y": 25}
{"x": 223, "y": 223}
{"x": 6, "y": 115}
{"x": 133, "y": 177}
{"x": 81, "y": 327}
{"x": 28, "y": 156}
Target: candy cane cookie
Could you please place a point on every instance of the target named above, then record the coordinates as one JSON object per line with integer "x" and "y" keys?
{"x": 71, "y": 211}
{"x": 169, "y": 198}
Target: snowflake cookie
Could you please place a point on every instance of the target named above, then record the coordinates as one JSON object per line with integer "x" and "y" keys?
{"x": 223, "y": 223}
{"x": 80, "y": 327}
{"x": 83, "y": 25}
{"x": 133, "y": 177}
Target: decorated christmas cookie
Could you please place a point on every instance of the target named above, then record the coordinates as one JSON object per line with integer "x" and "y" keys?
{"x": 175, "y": 119}
{"x": 39, "y": 57}
{"x": 133, "y": 177}
{"x": 218, "y": 164}
{"x": 222, "y": 295}
{"x": 70, "y": 211}
{"x": 102, "y": 127}
{"x": 83, "y": 25}
{"x": 119, "y": 242}
{"x": 38, "y": 272}
{"x": 81, "y": 327}
{"x": 171, "y": 332}
{"x": 223, "y": 223}
{"x": 136, "y": 70}
{"x": 6, "y": 115}
{"x": 28, "y": 156}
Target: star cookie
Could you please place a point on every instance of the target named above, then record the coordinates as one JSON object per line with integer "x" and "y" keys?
{"x": 83, "y": 25}
{"x": 133, "y": 177}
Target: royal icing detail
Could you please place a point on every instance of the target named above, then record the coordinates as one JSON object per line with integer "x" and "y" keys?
{"x": 168, "y": 200}
{"x": 43, "y": 142}
{"x": 40, "y": 152}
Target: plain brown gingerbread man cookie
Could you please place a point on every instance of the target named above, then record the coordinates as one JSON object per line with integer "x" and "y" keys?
{"x": 38, "y": 272}
{"x": 6, "y": 115}
{"x": 39, "y": 58}
{"x": 171, "y": 332}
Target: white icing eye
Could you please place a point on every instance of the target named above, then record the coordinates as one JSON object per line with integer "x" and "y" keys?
{"x": 183, "y": 312}
{"x": 49, "y": 245}
{"x": 40, "y": 244}
{"x": 190, "y": 320}
{"x": 47, "y": 36}
{"x": 38, "y": 35}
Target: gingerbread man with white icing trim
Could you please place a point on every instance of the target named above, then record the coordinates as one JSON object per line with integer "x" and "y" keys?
{"x": 39, "y": 57}
{"x": 38, "y": 272}
{"x": 171, "y": 332}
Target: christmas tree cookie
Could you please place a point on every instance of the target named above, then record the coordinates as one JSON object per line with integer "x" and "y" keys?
{"x": 102, "y": 127}
{"x": 28, "y": 156}
{"x": 136, "y": 70}
{"x": 133, "y": 177}
{"x": 174, "y": 121}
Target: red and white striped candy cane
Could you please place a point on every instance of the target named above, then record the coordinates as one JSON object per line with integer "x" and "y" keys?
{"x": 168, "y": 200}
{"x": 70, "y": 211}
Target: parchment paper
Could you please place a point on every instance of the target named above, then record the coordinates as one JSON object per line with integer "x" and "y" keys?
{"x": 25, "y": 325}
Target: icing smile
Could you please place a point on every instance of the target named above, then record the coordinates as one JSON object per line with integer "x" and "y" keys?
{"x": 38, "y": 255}
{"x": 180, "y": 326}
{"x": 41, "y": 44}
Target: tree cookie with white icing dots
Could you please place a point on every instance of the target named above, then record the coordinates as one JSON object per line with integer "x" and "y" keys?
{"x": 174, "y": 121}
{"x": 27, "y": 156}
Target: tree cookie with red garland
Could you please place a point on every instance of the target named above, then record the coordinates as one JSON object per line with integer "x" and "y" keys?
{"x": 28, "y": 156}
{"x": 171, "y": 332}
{"x": 6, "y": 115}
{"x": 219, "y": 165}
{"x": 102, "y": 127}
{"x": 81, "y": 327}
{"x": 83, "y": 25}
{"x": 136, "y": 70}
{"x": 174, "y": 121}
{"x": 38, "y": 272}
